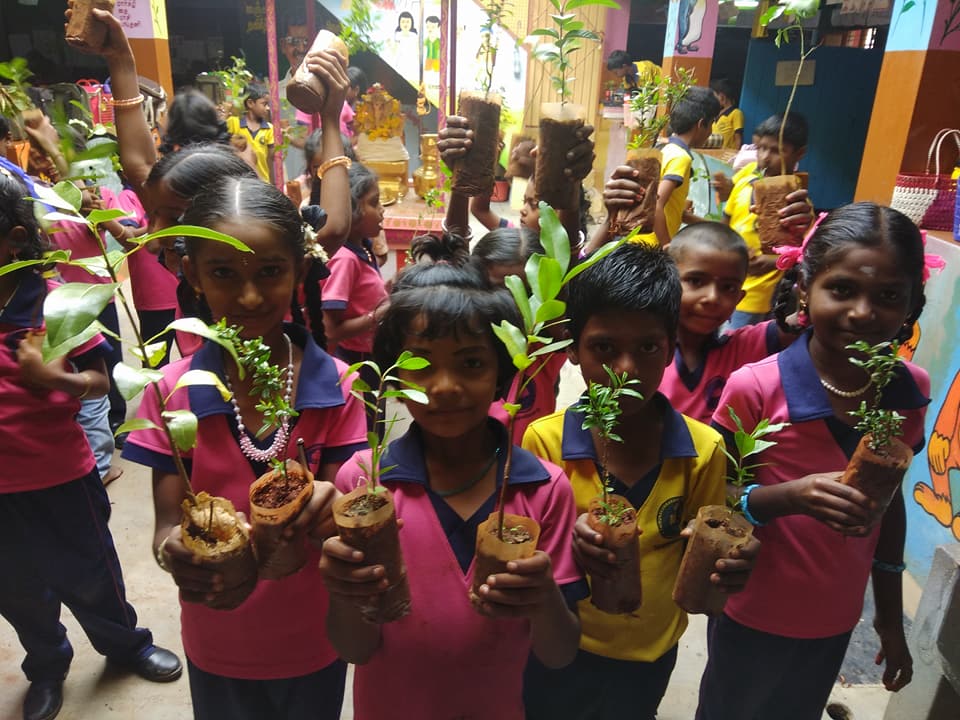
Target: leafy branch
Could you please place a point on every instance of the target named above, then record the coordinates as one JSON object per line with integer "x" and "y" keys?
{"x": 357, "y": 28}
{"x": 646, "y": 101}
{"x": 495, "y": 10}
{"x": 748, "y": 444}
{"x": 880, "y": 364}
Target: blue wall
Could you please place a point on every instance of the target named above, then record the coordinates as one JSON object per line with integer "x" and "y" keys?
{"x": 837, "y": 106}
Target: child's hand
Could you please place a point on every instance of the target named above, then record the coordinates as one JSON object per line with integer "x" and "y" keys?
{"x": 116, "y": 42}
{"x": 522, "y": 591}
{"x": 455, "y": 140}
{"x": 197, "y": 583}
{"x": 316, "y": 517}
{"x": 35, "y": 373}
{"x": 622, "y": 191}
{"x": 589, "y": 552}
{"x": 580, "y": 158}
{"x": 840, "y": 507}
{"x": 761, "y": 264}
{"x": 723, "y": 185}
{"x": 797, "y": 216}
{"x": 734, "y": 571}
{"x": 331, "y": 68}
{"x": 345, "y": 574}
{"x": 893, "y": 649}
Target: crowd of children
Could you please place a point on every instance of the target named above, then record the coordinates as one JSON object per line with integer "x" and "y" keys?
{"x": 699, "y": 318}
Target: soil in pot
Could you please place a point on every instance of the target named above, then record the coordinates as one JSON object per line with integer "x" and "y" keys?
{"x": 368, "y": 522}
{"x": 275, "y": 501}
{"x": 218, "y": 539}
{"x": 559, "y": 125}
{"x": 473, "y": 174}
{"x": 306, "y": 91}
{"x": 770, "y": 197}
{"x": 647, "y": 161}
{"x": 878, "y": 474}
{"x": 718, "y": 532}
{"x": 84, "y": 30}
{"x": 618, "y": 526}
{"x": 520, "y": 536}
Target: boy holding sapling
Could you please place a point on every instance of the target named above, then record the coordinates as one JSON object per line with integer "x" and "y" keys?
{"x": 623, "y": 314}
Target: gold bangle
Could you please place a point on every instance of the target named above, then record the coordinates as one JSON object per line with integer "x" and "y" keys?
{"x": 334, "y": 162}
{"x": 86, "y": 389}
{"x": 158, "y": 555}
{"x": 130, "y": 102}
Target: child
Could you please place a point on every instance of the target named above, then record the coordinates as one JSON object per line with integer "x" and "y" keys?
{"x": 55, "y": 543}
{"x": 256, "y": 129}
{"x": 762, "y": 275}
{"x": 623, "y": 314}
{"x": 729, "y": 125}
{"x": 505, "y": 252}
{"x": 444, "y": 480}
{"x": 358, "y": 83}
{"x": 860, "y": 278}
{"x": 270, "y": 656}
{"x": 712, "y": 261}
{"x": 355, "y": 289}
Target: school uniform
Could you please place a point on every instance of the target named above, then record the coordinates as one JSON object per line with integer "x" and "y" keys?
{"x": 261, "y": 140}
{"x": 356, "y": 287}
{"x": 676, "y": 165}
{"x": 446, "y": 660}
{"x": 788, "y": 630}
{"x": 278, "y": 633}
{"x": 625, "y": 661}
{"x": 55, "y": 543}
{"x": 538, "y": 400}
{"x": 728, "y": 124}
{"x": 696, "y": 392}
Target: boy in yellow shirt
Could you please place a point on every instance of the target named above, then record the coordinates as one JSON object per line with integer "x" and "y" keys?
{"x": 729, "y": 124}
{"x": 256, "y": 129}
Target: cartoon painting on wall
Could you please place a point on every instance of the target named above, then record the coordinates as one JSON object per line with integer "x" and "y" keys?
{"x": 690, "y": 25}
{"x": 409, "y": 36}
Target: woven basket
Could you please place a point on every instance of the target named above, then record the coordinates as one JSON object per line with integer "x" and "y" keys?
{"x": 929, "y": 199}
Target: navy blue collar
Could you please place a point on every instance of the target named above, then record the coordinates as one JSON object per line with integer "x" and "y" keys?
{"x": 675, "y": 440}
{"x": 25, "y": 308}
{"x": 364, "y": 252}
{"x": 807, "y": 399}
{"x": 245, "y": 124}
{"x": 729, "y": 110}
{"x": 407, "y": 456}
{"x": 677, "y": 141}
{"x": 319, "y": 385}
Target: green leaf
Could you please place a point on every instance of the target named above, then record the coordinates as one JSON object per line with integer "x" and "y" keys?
{"x": 201, "y": 377}
{"x": 20, "y": 264}
{"x": 155, "y": 353}
{"x": 195, "y": 231}
{"x": 574, "y": 4}
{"x": 68, "y": 193}
{"x": 532, "y": 271}
{"x": 556, "y": 4}
{"x": 414, "y": 362}
{"x": 519, "y": 291}
{"x": 552, "y": 347}
{"x": 131, "y": 381}
{"x": 550, "y": 276}
{"x": 183, "y": 428}
{"x": 907, "y": 6}
{"x": 360, "y": 386}
{"x": 595, "y": 257}
{"x": 136, "y": 424}
{"x": 771, "y": 14}
{"x": 69, "y": 311}
{"x": 97, "y": 266}
{"x": 553, "y": 237}
{"x": 513, "y": 339}
{"x": 96, "y": 217}
{"x": 512, "y": 408}
{"x": 198, "y": 327}
{"x": 550, "y": 310}
{"x": 417, "y": 396}
{"x": 102, "y": 150}
{"x": 544, "y": 32}
{"x": 583, "y": 34}
{"x": 521, "y": 362}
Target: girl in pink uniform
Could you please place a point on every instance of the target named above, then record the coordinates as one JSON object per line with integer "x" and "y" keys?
{"x": 446, "y": 659}
{"x": 860, "y": 277}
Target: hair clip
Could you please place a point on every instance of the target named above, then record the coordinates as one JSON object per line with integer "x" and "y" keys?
{"x": 791, "y": 255}
{"x": 931, "y": 261}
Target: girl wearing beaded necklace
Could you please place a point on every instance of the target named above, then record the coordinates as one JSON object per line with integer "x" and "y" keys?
{"x": 270, "y": 656}
{"x": 860, "y": 274}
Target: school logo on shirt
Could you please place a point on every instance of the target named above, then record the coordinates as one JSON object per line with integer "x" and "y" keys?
{"x": 668, "y": 517}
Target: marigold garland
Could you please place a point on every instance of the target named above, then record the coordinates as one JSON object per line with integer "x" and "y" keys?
{"x": 378, "y": 114}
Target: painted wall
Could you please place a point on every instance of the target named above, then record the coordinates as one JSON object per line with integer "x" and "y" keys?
{"x": 837, "y": 106}
{"x": 932, "y": 485}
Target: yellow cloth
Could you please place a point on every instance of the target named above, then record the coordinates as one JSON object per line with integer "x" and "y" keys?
{"x": 726, "y": 125}
{"x": 684, "y": 485}
{"x": 261, "y": 142}
{"x": 758, "y": 288}
{"x": 749, "y": 169}
{"x": 676, "y": 166}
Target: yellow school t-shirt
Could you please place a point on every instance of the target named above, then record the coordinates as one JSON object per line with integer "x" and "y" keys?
{"x": 758, "y": 288}
{"x": 729, "y": 122}
{"x": 691, "y": 476}
{"x": 676, "y": 165}
{"x": 261, "y": 142}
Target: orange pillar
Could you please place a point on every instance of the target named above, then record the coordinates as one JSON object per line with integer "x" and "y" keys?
{"x": 691, "y": 31}
{"x": 145, "y": 23}
{"x": 918, "y": 94}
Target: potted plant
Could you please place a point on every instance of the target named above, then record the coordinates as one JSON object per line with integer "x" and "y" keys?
{"x": 881, "y": 459}
{"x": 366, "y": 517}
{"x": 612, "y": 516}
{"x": 212, "y": 529}
{"x": 503, "y": 536}
{"x": 647, "y": 122}
{"x": 770, "y": 193}
{"x": 235, "y": 79}
{"x": 16, "y": 106}
{"x": 560, "y": 122}
{"x": 306, "y": 91}
{"x": 719, "y": 530}
{"x": 84, "y": 31}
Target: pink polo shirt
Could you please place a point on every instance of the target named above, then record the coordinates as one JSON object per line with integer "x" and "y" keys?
{"x": 77, "y": 238}
{"x": 695, "y": 393}
{"x": 445, "y": 660}
{"x": 279, "y": 631}
{"x": 354, "y": 286}
{"x": 154, "y": 287}
{"x": 539, "y": 399}
{"x": 41, "y": 444}
{"x": 809, "y": 580}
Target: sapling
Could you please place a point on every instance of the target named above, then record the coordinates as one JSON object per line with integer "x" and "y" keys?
{"x": 656, "y": 93}
{"x": 880, "y": 426}
{"x": 747, "y": 444}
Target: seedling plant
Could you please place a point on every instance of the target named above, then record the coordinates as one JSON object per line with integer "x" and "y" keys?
{"x": 747, "y": 444}
{"x": 646, "y": 101}
{"x": 880, "y": 363}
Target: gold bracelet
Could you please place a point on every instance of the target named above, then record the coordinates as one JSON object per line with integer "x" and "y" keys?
{"x": 158, "y": 555}
{"x": 86, "y": 389}
{"x": 333, "y": 162}
{"x": 130, "y": 102}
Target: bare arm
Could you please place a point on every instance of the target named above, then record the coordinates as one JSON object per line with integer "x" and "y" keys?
{"x": 92, "y": 382}
{"x": 480, "y": 209}
{"x": 664, "y": 191}
{"x": 455, "y": 141}
{"x": 340, "y": 328}
{"x": 888, "y": 593}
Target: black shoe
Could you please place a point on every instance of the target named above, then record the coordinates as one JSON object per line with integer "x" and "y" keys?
{"x": 44, "y": 700}
{"x": 159, "y": 665}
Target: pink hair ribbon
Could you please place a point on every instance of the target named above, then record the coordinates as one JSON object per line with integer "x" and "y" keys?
{"x": 930, "y": 260}
{"x": 791, "y": 255}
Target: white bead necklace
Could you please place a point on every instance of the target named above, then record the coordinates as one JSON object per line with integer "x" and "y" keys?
{"x": 845, "y": 393}
{"x": 280, "y": 439}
